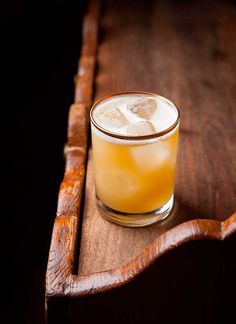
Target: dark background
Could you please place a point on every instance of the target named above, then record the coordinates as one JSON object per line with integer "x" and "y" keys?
{"x": 40, "y": 47}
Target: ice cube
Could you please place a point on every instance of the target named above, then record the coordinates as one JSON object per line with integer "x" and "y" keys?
{"x": 143, "y": 108}
{"x": 113, "y": 180}
{"x": 110, "y": 116}
{"x": 140, "y": 129}
{"x": 151, "y": 156}
{"x": 125, "y": 179}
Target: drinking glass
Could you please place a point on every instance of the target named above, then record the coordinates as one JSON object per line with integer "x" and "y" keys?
{"x": 134, "y": 175}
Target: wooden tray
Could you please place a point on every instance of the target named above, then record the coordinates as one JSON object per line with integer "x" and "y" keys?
{"x": 195, "y": 69}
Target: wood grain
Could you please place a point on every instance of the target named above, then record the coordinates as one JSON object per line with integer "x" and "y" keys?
{"x": 61, "y": 257}
{"x": 188, "y": 58}
{"x": 85, "y": 76}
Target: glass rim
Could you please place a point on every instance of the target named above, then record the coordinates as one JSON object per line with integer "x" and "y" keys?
{"x": 134, "y": 137}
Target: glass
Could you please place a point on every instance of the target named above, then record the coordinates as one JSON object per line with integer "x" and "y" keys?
{"x": 134, "y": 175}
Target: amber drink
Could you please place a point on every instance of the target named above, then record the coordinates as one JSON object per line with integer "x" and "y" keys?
{"x": 134, "y": 139}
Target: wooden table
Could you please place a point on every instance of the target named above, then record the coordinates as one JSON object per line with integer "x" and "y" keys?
{"x": 186, "y": 52}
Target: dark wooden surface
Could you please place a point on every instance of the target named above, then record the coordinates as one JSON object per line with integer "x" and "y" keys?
{"x": 186, "y": 52}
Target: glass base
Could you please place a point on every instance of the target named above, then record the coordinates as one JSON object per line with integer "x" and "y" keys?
{"x": 135, "y": 220}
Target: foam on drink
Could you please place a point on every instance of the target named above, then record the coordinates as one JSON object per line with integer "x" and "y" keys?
{"x": 135, "y": 115}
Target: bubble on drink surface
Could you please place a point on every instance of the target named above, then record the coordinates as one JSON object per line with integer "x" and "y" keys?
{"x": 139, "y": 129}
{"x": 143, "y": 108}
{"x": 110, "y": 117}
